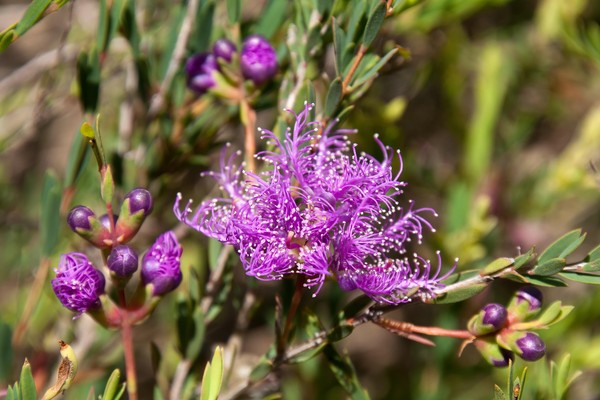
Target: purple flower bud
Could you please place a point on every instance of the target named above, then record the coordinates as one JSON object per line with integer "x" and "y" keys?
{"x": 78, "y": 218}
{"x": 105, "y": 221}
{"x": 122, "y": 261}
{"x": 83, "y": 221}
{"x": 136, "y": 206}
{"x": 139, "y": 199}
{"x": 258, "y": 60}
{"x": 531, "y": 347}
{"x": 199, "y": 69}
{"x": 161, "y": 265}
{"x": 526, "y": 303}
{"x": 224, "y": 49}
{"x": 493, "y": 353}
{"x": 490, "y": 319}
{"x": 78, "y": 285}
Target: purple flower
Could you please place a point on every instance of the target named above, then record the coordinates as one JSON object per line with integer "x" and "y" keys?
{"x": 78, "y": 285}
{"x": 199, "y": 69}
{"x": 320, "y": 210}
{"x": 122, "y": 261}
{"x": 161, "y": 265}
{"x": 258, "y": 59}
{"x": 224, "y": 49}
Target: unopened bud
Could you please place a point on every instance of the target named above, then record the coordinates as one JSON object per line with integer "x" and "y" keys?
{"x": 83, "y": 221}
{"x": 527, "y": 345}
{"x": 490, "y": 319}
{"x": 161, "y": 265}
{"x": 134, "y": 210}
{"x": 122, "y": 261}
{"x": 526, "y": 303}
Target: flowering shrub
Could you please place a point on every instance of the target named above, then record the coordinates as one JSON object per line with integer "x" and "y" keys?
{"x": 309, "y": 235}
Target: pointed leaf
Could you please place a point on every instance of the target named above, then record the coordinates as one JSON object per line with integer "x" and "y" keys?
{"x": 33, "y": 13}
{"x": 213, "y": 377}
{"x": 50, "y": 214}
{"x": 498, "y": 393}
{"x": 112, "y": 385}
{"x": 460, "y": 294}
{"x": 594, "y": 254}
{"x": 334, "y": 96}
{"x": 374, "y": 24}
{"x": 582, "y": 278}
{"x": 344, "y": 372}
{"x": 234, "y": 10}
{"x": 524, "y": 258}
{"x": 550, "y": 281}
{"x": 563, "y": 246}
{"x": 370, "y": 73}
{"x": 28, "y": 391}
{"x": 549, "y": 267}
{"x": 497, "y": 265}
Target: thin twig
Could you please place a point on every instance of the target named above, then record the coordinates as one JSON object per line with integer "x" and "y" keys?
{"x": 215, "y": 279}
{"x": 181, "y": 373}
{"x": 158, "y": 100}
{"x": 362, "y": 50}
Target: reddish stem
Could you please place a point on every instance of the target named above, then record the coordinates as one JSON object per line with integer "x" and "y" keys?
{"x": 127, "y": 337}
{"x": 362, "y": 50}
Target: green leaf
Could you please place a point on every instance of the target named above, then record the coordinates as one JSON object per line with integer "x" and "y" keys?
{"x": 6, "y": 352}
{"x": 110, "y": 390}
{"x": 460, "y": 294}
{"x": 107, "y": 186}
{"x": 497, "y": 265}
{"x": 307, "y": 355}
{"x": 345, "y": 373}
{"x": 6, "y": 39}
{"x": 524, "y": 259}
{"x": 195, "y": 344}
{"x": 594, "y": 254}
{"x": 370, "y": 73}
{"x": 234, "y": 10}
{"x": 88, "y": 76}
{"x": 593, "y": 266}
{"x": 374, "y": 24}
{"x": 354, "y": 307}
{"x": 334, "y": 96}
{"x": 549, "y": 267}
{"x": 339, "y": 45}
{"x": 357, "y": 20}
{"x": 50, "y": 214}
{"x": 271, "y": 18}
{"x": 499, "y": 394}
{"x": 563, "y": 246}
{"x": 213, "y": 377}
{"x": 33, "y": 13}
{"x": 340, "y": 332}
{"x": 261, "y": 370}
{"x": 550, "y": 281}
{"x": 582, "y": 278}
{"x": 28, "y": 391}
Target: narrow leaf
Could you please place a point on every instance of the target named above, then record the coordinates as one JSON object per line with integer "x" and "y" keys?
{"x": 374, "y": 24}
{"x": 234, "y": 10}
{"x": 524, "y": 259}
{"x": 497, "y": 265}
{"x": 582, "y": 278}
{"x": 112, "y": 385}
{"x": 28, "y": 391}
{"x": 549, "y": 267}
{"x": 345, "y": 373}
{"x": 460, "y": 294}
{"x": 50, "y": 213}
{"x": 550, "y": 281}
{"x": 562, "y": 246}
{"x": 334, "y": 96}
{"x": 33, "y": 13}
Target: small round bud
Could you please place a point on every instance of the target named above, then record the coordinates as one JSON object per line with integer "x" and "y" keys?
{"x": 224, "y": 49}
{"x": 526, "y": 303}
{"x": 105, "y": 221}
{"x": 531, "y": 347}
{"x": 78, "y": 285}
{"x": 161, "y": 265}
{"x": 140, "y": 199}
{"x": 490, "y": 319}
{"x": 122, "y": 261}
{"x": 78, "y": 218}
{"x": 258, "y": 59}
{"x": 199, "y": 69}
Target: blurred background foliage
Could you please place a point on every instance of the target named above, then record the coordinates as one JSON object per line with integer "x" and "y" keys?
{"x": 493, "y": 103}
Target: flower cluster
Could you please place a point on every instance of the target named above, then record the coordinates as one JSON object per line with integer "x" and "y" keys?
{"x": 257, "y": 63}
{"x": 79, "y": 285}
{"x": 320, "y": 209}
{"x": 500, "y": 332}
